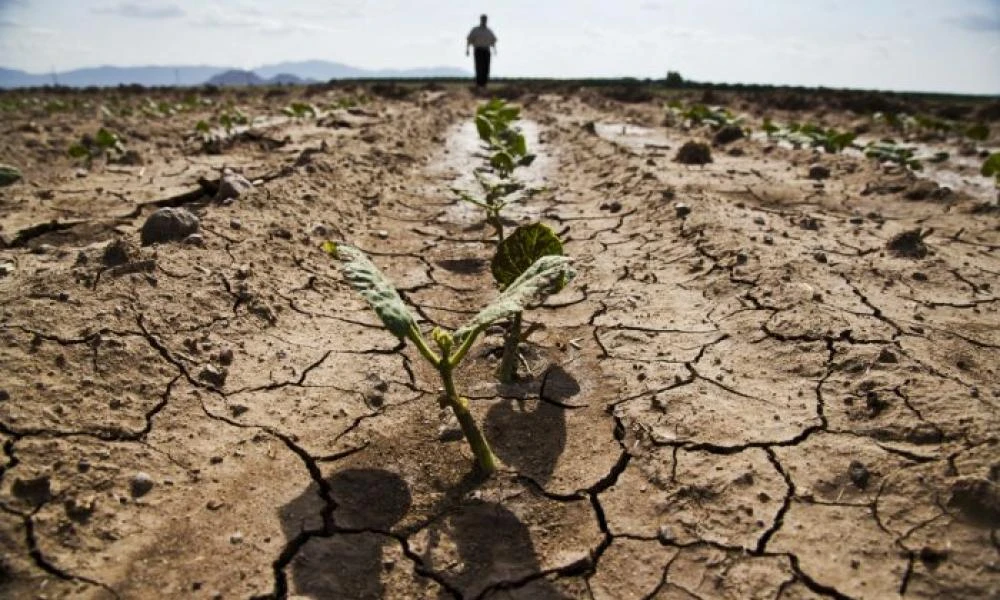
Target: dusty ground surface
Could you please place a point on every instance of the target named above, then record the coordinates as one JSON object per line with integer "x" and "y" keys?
{"x": 752, "y": 399}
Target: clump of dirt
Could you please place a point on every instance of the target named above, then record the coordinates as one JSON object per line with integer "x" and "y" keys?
{"x": 694, "y": 153}
{"x": 728, "y": 134}
{"x": 910, "y": 244}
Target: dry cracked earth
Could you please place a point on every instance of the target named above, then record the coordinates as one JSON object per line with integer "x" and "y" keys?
{"x": 747, "y": 395}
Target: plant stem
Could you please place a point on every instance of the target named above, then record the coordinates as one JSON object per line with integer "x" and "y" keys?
{"x": 485, "y": 459}
{"x": 508, "y": 364}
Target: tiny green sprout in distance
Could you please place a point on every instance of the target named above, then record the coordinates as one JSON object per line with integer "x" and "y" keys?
{"x": 545, "y": 276}
{"x": 991, "y": 167}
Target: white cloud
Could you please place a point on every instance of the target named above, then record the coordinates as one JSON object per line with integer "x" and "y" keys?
{"x": 135, "y": 10}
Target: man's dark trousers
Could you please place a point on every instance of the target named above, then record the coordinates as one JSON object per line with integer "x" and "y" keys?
{"x": 482, "y": 56}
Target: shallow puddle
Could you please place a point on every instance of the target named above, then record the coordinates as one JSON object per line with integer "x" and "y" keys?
{"x": 632, "y": 136}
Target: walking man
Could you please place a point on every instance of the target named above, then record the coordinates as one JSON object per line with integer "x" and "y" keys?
{"x": 482, "y": 40}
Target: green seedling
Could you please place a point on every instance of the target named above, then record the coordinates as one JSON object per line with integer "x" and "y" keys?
{"x": 546, "y": 276}
{"x": 991, "y": 167}
{"x": 888, "y": 151}
{"x": 916, "y": 123}
{"x": 506, "y": 143}
{"x": 514, "y": 256}
{"x": 105, "y": 143}
{"x": 495, "y": 197}
{"x": 300, "y": 110}
{"x": 831, "y": 140}
{"x": 715, "y": 117}
{"x": 808, "y": 134}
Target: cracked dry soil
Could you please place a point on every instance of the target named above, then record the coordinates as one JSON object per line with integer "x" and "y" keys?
{"x": 755, "y": 399}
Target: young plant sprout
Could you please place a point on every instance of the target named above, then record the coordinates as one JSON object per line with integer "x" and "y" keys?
{"x": 514, "y": 256}
{"x": 991, "y": 167}
{"x": 105, "y": 143}
{"x": 545, "y": 276}
{"x": 506, "y": 143}
{"x": 509, "y": 150}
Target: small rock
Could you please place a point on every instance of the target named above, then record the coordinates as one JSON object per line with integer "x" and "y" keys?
{"x": 168, "y": 225}
{"x": 450, "y": 430}
{"x": 759, "y": 221}
{"x": 238, "y": 409}
{"x": 382, "y": 233}
{"x": 232, "y": 185}
{"x": 612, "y": 207}
{"x": 859, "y": 474}
{"x": 682, "y": 210}
{"x": 918, "y": 276}
{"x": 856, "y": 220}
{"x": 818, "y": 172}
{"x": 141, "y": 484}
{"x": 4, "y": 395}
{"x": 729, "y": 133}
{"x": 665, "y": 534}
{"x": 213, "y": 375}
{"x": 235, "y": 223}
{"x": 769, "y": 240}
{"x": 320, "y": 230}
{"x": 820, "y": 257}
{"x": 117, "y": 252}
{"x": 195, "y": 239}
{"x": 226, "y": 356}
{"x": 214, "y": 504}
{"x": 236, "y": 538}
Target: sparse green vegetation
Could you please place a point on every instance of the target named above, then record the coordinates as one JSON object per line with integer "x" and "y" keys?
{"x": 105, "y": 143}
{"x": 545, "y": 276}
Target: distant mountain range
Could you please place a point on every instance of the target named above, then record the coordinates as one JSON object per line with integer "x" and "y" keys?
{"x": 287, "y": 72}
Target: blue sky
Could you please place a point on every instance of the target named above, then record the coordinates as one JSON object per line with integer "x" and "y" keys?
{"x": 928, "y": 45}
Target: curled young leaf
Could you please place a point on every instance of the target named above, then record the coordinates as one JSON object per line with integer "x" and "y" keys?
{"x": 518, "y": 251}
{"x": 366, "y": 278}
{"x": 544, "y": 277}
{"x": 991, "y": 166}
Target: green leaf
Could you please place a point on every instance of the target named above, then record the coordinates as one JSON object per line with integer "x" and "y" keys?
{"x": 502, "y": 162}
{"x": 518, "y": 251}
{"x": 978, "y": 132}
{"x": 203, "y": 127}
{"x": 366, "y": 278}
{"x": 484, "y": 127}
{"x": 105, "y": 139}
{"x": 991, "y": 166}
{"x": 9, "y": 175}
{"x": 546, "y": 276}
{"x": 78, "y": 151}
{"x": 518, "y": 146}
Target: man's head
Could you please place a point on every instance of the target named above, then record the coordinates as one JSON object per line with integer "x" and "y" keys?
{"x": 482, "y": 19}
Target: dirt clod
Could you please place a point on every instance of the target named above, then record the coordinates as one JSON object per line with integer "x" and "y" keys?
{"x": 168, "y": 225}
{"x": 694, "y": 153}
{"x": 909, "y": 244}
{"x": 819, "y": 172}
{"x": 231, "y": 186}
{"x": 859, "y": 474}
{"x": 727, "y": 134}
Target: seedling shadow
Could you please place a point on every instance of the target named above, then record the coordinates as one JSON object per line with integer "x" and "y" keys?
{"x": 492, "y": 545}
{"x": 530, "y": 435}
